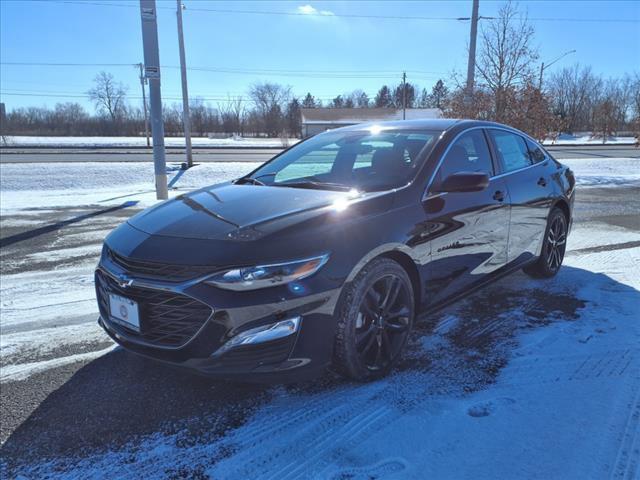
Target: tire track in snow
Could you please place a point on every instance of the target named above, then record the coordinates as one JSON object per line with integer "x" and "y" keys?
{"x": 628, "y": 456}
{"x": 325, "y": 428}
{"x": 569, "y": 368}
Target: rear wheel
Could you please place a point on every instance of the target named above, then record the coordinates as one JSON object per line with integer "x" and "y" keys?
{"x": 555, "y": 244}
{"x": 375, "y": 318}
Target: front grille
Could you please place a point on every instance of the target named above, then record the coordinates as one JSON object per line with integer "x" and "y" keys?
{"x": 167, "y": 319}
{"x": 158, "y": 271}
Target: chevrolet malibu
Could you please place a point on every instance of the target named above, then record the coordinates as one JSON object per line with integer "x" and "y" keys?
{"x": 323, "y": 256}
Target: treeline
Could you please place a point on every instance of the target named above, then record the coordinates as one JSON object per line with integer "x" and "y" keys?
{"x": 573, "y": 100}
{"x": 510, "y": 88}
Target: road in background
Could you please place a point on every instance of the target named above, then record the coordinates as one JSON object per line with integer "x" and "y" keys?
{"x": 241, "y": 154}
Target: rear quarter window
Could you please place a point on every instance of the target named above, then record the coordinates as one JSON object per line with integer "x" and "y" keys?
{"x": 535, "y": 152}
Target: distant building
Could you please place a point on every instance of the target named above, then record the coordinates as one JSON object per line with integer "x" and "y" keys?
{"x": 317, "y": 120}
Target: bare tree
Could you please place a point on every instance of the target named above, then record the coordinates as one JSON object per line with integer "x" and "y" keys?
{"x": 506, "y": 56}
{"x": 109, "y": 96}
{"x": 635, "y": 106}
{"x": 233, "y": 113}
{"x": 574, "y": 91}
{"x": 359, "y": 98}
{"x": 271, "y": 100}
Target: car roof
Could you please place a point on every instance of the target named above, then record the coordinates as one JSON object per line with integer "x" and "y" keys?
{"x": 439, "y": 124}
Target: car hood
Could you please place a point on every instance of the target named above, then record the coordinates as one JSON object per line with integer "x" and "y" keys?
{"x": 233, "y": 211}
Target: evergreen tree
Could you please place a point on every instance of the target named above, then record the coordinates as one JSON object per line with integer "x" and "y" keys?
{"x": 337, "y": 102}
{"x": 410, "y": 92}
{"x": 294, "y": 118}
{"x": 439, "y": 95}
{"x": 309, "y": 101}
{"x": 383, "y": 98}
{"x": 425, "y": 99}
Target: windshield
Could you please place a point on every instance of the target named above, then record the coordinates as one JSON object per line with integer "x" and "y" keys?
{"x": 361, "y": 160}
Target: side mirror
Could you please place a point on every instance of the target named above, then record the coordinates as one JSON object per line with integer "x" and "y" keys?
{"x": 464, "y": 182}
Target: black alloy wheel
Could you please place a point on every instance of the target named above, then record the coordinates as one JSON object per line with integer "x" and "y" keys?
{"x": 374, "y": 321}
{"x": 553, "y": 248}
{"x": 383, "y": 322}
{"x": 556, "y": 243}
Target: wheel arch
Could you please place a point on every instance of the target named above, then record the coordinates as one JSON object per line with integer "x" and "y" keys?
{"x": 563, "y": 205}
{"x": 402, "y": 255}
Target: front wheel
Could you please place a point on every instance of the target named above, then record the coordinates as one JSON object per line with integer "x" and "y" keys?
{"x": 553, "y": 248}
{"x": 375, "y": 317}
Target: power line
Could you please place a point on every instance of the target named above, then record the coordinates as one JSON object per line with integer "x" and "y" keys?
{"x": 347, "y": 15}
{"x": 205, "y": 97}
{"x": 53, "y": 64}
{"x": 363, "y": 74}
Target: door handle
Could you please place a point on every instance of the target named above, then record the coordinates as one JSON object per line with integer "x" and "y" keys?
{"x": 498, "y": 195}
{"x": 542, "y": 182}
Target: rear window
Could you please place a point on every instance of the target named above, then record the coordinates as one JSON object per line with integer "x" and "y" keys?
{"x": 511, "y": 149}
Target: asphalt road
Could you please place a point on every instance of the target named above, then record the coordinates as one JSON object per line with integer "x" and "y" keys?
{"x": 77, "y": 408}
{"x": 37, "y": 155}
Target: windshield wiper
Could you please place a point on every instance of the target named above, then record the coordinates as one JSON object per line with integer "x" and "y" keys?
{"x": 314, "y": 185}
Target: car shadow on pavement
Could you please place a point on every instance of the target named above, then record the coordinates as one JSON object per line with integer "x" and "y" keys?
{"x": 29, "y": 234}
{"x": 119, "y": 397}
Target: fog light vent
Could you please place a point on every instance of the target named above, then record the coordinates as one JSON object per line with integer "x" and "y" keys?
{"x": 264, "y": 333}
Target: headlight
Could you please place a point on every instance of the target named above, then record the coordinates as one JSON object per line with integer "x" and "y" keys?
{"x": 252, "y": 278}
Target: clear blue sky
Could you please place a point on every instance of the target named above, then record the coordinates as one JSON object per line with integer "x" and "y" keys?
{"x": 108, "y": 31}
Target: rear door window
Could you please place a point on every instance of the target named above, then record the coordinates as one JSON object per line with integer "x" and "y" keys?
{"x": 511, "y": 149}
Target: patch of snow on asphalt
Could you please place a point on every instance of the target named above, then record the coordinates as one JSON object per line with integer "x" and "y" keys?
{"x": 605, "y": 171}
{"x": 13, "y": 373}
{"x": 51, "y": 185}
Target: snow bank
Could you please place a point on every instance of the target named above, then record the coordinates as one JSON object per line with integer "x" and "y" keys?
{"x": 588, "y": 139}
{"x": 27, "y": 141}
{"x": 605, "y": 171}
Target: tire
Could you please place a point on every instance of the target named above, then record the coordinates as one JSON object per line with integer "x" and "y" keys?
{"x": 370, "y": 334}
{"x": 553, "y": 248}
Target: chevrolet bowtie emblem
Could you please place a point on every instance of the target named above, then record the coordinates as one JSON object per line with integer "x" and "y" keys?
{"x": 124, "y": 281}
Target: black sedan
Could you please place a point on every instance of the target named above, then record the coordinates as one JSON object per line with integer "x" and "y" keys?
{"x": 323, "y": 256}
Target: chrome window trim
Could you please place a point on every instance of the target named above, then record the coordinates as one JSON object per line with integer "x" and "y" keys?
{"x": 519, "y": 170}
{"x": 426, "y": 195}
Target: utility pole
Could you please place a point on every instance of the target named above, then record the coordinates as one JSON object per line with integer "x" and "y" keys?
{"x": 547, "y": 65}
{"x": 148, "y": 14}
{"x": 404, "y": 95}
{"x": 471, "y": 65}
{"x": 144, "y": 104}
{"x": 186, "y": 119}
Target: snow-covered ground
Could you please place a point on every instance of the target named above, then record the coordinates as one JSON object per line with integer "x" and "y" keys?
{"x": 52, "y": 185}
{"x": 526, "y": 379}
{"x": 589, "y": 139}
{"x": 27, "y": 141}
{"x": 43, "y": 141}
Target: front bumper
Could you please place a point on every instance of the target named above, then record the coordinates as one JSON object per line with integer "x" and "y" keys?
{"x": 300, "y": 356}
{"x": 303, "y": 354}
